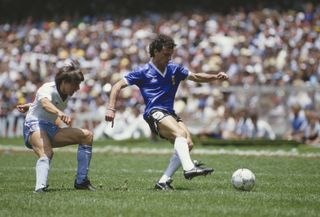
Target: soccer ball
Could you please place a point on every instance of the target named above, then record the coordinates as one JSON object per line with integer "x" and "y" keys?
{"x": 243, "y": 179}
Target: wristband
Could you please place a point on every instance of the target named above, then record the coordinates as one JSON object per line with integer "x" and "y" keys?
{"x": 112, "y": 109}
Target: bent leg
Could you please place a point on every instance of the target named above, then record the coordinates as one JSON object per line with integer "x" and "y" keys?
{"x": 84, "y": 138}
{"x": 71, "y": 136}
{"x": 175, "y": 162}
{"x": 84, "y": 159}
{"x": 173, "y": 166}
{"x": 170, "y": 129}
{"x": 42, "y": 147}
{"x": 190, "y": 142}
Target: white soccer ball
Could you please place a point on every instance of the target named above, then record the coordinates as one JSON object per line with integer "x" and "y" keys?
{"x": 243, "y": 179}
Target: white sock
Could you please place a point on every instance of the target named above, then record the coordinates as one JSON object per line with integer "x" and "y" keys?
{"x": 181, "y": 147}
{"x": 50, "y": 160}
{"x": 173, "y": 166}
{"x": 42, "y": 171}
{"x": 164, "y": 178}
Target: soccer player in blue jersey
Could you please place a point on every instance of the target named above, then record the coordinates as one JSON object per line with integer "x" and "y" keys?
{"x": 158, "y": 82}
{"x": 42, "y": 135}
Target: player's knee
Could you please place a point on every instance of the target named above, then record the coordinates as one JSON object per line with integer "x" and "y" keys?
{"x": 87, "y": 137}
{"x": 181, "y": 133}
{"x": 48, "y": 154}
{"x": 51, "y": 155}
{"x": 190, "y": 144}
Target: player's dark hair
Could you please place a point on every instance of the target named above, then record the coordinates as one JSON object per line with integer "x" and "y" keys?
{"x": 69, "y": 73}
{"x": 159, "y": 42}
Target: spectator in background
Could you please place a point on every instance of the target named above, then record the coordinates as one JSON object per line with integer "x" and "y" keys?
{"x": 240, "y": 117}
{"x": 227, "y": 125}
{"x": 257, "y": 47}
{"x": 130, "y": 125}
{"x": 312, "y": 131}
{"x": 136, "y": 127}
{"x": 257, "y": 128}
{"x": 213, "y": 129}
{"x": 298, "y": 123}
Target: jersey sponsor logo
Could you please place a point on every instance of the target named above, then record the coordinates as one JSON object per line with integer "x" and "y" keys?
{"x": 158, "y": 115}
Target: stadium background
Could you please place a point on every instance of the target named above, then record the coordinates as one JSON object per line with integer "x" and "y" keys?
{"x": 16, "y": 10}
{"x": 269, "y": 93}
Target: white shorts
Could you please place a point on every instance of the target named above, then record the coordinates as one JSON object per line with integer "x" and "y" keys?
{"x": 33, "y": 126}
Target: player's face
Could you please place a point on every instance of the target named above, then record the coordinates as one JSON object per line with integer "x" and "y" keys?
{"x": 69, "y": 88}
{"x": 164, "y": 56}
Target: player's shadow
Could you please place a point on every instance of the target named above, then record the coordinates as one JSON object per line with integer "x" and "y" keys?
{"x": 52, "y": 190}
{"x": 61, "y": 189}
{"x": 175, "y": 189}
{"x": 183, "y": 189}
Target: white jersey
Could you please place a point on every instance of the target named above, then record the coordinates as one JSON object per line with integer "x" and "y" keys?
{"x": 37, "y": 112}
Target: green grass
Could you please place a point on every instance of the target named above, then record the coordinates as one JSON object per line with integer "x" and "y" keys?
{"x": 286, "y": 186}
{"x": 201, "y": 143}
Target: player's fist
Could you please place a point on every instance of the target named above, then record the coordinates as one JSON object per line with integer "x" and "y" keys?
{"x": 222, "y": 76}
{"x": 110, "y": 116}
{"x": 23, "y": 108}
{"x": 65, "y": 118}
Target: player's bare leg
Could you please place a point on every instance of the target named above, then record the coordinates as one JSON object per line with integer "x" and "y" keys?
{"x": 84, "y": 138}
{"x": 171, "y": 129}
{"x": 41, "y": 145}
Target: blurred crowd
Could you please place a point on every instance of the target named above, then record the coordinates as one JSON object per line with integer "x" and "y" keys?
{"x": 272, "y": 59}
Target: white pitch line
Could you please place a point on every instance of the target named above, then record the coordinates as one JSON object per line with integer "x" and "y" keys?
{"x": 12, "y": 168}
{"x": 163, "y": 151}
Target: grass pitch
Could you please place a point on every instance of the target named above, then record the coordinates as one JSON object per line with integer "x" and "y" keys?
{"x": 285, "y": 186}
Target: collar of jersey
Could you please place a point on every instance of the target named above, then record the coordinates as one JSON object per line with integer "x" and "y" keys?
{"x": 153, "y": 66}
{"x": 60, "y": 95}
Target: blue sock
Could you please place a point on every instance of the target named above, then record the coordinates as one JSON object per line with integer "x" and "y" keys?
{"x": 84, "y": 158}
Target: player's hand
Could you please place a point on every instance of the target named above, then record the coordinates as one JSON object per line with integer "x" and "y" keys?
{"x": 222, "y": 76}
{"x": 110, "y": 116}
{"x": 23, "y": 108}
{"x": 65, "y": 118}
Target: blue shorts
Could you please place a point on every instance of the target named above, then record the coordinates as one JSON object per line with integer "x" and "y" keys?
{"x": 33, "y": 126}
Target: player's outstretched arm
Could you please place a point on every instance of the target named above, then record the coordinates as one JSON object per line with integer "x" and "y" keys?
{"x": 24, "y": 107}
{"x": 111, "y": 110}
{"x": 205, "y": 77}
{"x": 49, "y": 107}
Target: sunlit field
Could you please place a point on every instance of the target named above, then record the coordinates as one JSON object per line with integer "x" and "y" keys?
{"x": 286, "y": 184}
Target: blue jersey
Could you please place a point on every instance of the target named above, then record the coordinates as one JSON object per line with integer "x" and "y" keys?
{"x": 158, "y": 90}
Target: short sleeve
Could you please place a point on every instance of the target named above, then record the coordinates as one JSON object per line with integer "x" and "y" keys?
{"x": 133, "y": 77}
{"x": 44, "y": 92}
{"x": 182, "y": 73}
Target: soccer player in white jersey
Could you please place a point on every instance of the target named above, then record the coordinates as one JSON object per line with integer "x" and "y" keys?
{"x": 158, "y": 82}
{"x": 42, "y": 135}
